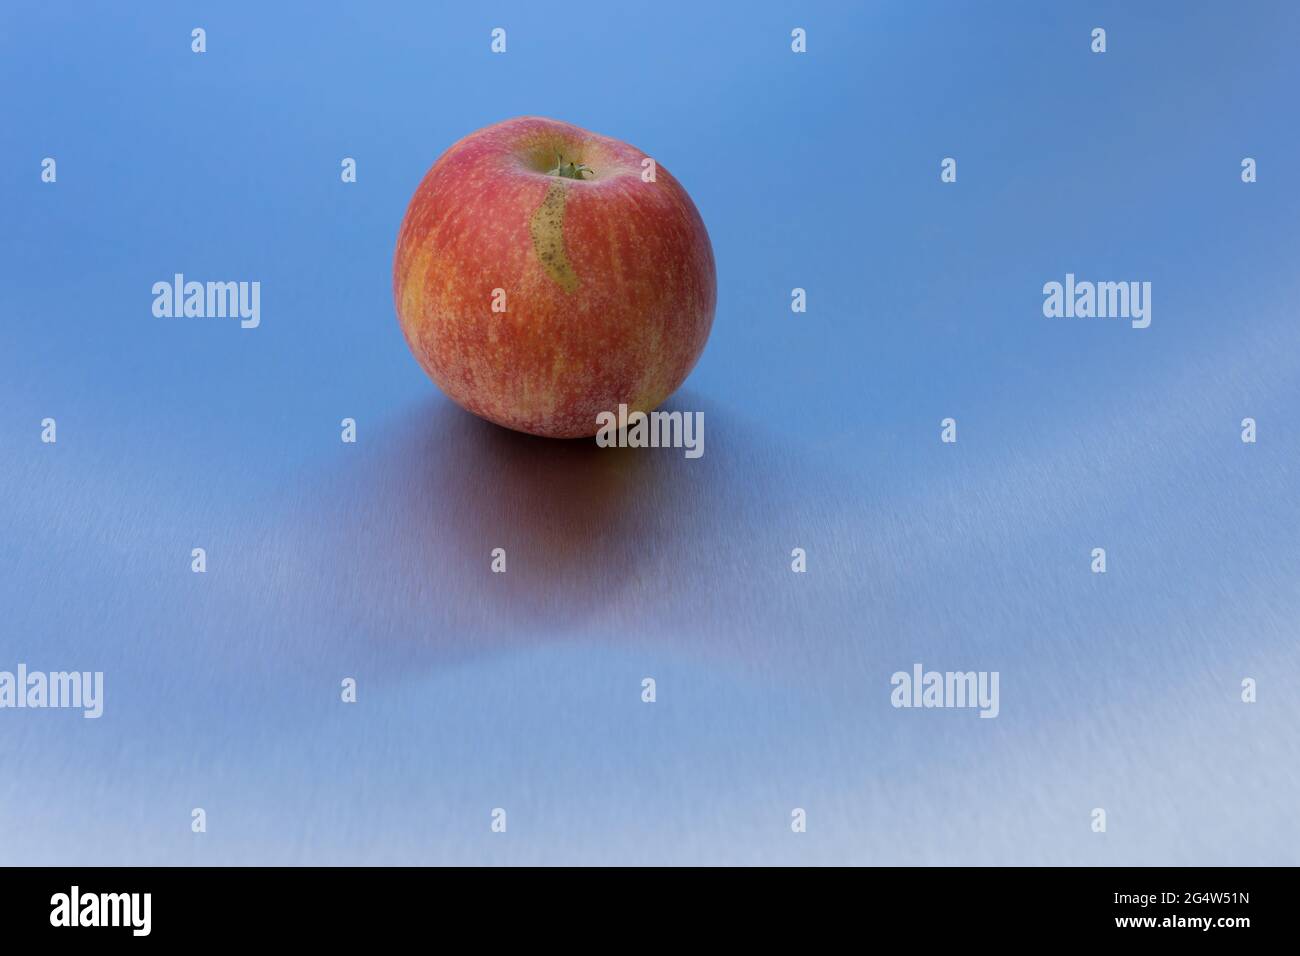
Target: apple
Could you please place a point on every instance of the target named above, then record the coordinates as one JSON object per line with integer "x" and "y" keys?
{"x": 544, "y": 274}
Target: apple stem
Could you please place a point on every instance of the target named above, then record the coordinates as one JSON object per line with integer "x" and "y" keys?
{"x": 570, "y": 170}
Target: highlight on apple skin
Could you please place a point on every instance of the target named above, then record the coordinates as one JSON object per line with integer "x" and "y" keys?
{"x": 544, "y": 274}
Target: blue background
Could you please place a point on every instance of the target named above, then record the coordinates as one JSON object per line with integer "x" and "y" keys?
{"x": 522, "y": 691}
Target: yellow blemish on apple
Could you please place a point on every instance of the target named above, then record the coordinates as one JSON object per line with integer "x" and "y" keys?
{"x": 547, "y": 228}
{"x": 412, "y": 292}
{"x": 652, "y": 388}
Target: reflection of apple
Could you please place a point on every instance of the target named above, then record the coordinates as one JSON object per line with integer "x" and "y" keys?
{"x": 544, "y": 274}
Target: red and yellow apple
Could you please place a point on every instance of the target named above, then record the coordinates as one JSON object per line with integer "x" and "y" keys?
{"x": 545, "y": 274}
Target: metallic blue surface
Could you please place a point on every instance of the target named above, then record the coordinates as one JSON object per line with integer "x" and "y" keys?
{"x": 522, "y": 690}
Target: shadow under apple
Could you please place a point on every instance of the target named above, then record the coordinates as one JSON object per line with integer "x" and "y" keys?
{"x": 439, "y": 490}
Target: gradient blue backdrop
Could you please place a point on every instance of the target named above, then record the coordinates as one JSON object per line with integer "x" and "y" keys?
{"x": 822, "y": 431}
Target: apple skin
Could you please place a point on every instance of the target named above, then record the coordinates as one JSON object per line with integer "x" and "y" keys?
{"x": 609, "y": 281}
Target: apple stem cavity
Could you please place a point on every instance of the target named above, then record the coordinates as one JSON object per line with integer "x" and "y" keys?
{"x": 570, "y": 170}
